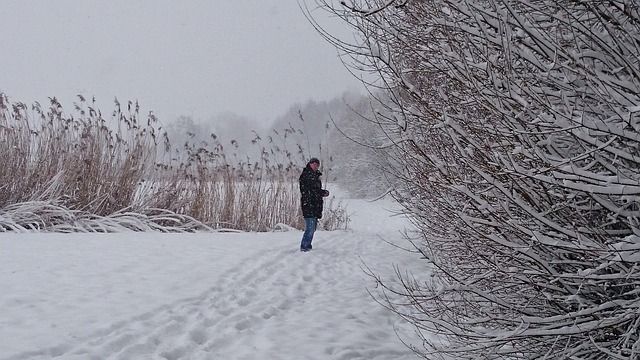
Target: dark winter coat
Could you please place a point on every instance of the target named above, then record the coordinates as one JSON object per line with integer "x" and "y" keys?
{"x": 311, "y": 193}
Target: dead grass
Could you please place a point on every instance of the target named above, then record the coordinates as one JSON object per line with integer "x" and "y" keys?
{"x": 94, "y": 170}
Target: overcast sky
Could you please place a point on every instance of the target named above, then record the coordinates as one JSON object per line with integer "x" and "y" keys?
{"x": 198, "y": 57}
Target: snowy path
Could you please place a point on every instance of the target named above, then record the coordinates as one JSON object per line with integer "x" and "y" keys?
{"x": 273, "y": 302}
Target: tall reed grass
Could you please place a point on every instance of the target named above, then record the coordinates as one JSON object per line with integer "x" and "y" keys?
{"x": 85, "y": 172}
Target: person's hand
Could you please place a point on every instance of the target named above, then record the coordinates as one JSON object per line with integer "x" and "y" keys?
{"x": 325, "y": 193}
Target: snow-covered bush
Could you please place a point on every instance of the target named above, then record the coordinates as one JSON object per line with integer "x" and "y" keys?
{"x": 362, "y": 148}
{"x": 517, "y": 123}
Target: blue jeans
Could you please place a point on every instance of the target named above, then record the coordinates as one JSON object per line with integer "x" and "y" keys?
{"x": 310, "y": 229}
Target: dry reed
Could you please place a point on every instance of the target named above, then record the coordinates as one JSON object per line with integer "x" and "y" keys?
{"x": 82, "y": 172}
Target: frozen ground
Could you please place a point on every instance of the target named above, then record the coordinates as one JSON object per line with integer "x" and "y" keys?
{"x": 203, "y": 296}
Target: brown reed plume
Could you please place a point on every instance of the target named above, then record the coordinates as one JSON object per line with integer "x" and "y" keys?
{"x": 96, "y": 167}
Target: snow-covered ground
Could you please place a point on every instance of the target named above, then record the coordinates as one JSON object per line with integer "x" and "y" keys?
{"x": 204, "y": 296}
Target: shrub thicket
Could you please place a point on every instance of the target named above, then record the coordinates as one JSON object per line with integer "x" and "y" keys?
{"x": 516, "y": 133}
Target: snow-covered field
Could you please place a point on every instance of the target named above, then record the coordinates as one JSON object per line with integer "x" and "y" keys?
{"x": 203, "y": 296}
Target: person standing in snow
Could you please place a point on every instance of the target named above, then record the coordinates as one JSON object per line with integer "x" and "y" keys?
{"x": 311, "y": 200}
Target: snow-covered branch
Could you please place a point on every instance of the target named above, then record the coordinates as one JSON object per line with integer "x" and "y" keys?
{"x": 520, "y": 165}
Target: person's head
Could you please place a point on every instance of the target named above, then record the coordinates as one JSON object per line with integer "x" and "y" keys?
{"x": 314, "y": 163}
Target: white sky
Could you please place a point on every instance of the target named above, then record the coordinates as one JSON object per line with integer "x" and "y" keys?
{"x": 198, "y": 57}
